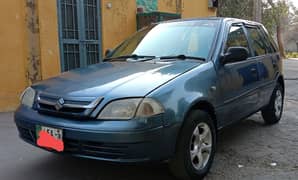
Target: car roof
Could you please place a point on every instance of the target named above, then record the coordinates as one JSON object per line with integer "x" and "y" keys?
{"x": 223, "y": 19}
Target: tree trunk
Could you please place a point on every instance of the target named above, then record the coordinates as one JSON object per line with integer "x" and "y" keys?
{"x": 257, "y": 13}
{"x": 280, "y": 41}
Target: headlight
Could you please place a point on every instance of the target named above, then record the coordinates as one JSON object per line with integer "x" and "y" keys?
{"x": 128, "y": 108}
{"x": 27, "y": 97}
{"x": 149, "y": 107}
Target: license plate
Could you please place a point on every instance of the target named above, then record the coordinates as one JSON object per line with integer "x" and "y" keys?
{"x": 56, "y": 133}
{"x": 50, "y": 138}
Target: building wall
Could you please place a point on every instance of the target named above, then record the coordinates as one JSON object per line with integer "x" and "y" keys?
{"x": 196, "y": 8}
{"x": 16, "y": 37}
{"x": 12, "y": 51}
{"x": 187, "y": 8}
{"x": 49, "y": 39}
{"x": 169, "y": 6}
{"x": 118, "y": 22}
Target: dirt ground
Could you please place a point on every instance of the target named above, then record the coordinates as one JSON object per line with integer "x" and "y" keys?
{"x": 247, "y": 150}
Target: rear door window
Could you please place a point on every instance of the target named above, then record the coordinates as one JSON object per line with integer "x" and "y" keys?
{"x": 268, "y": 41}
{"x": 257, "y": 41}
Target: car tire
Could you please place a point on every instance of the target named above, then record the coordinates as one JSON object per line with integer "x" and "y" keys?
{"x": 197, "y": 140}
{"x": 273, "y": 111}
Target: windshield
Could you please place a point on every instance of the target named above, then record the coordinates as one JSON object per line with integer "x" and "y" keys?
{"x": 190, "y": 38}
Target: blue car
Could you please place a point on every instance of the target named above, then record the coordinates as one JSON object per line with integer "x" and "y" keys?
{"x": 161, "y": 95}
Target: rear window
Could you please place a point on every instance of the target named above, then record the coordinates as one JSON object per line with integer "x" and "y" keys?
{"x": 258, "y": 46}
{"x": 268, "y": 41}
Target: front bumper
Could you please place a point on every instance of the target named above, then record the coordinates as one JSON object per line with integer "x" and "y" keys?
{"x": 108, "y": 141}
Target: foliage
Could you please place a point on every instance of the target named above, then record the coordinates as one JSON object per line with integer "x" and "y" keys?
{"x": 276, "y": 14}
{"x": 292, "y": 55}
{"x": 278, "y": 20}
{"x": 236, "y": 9}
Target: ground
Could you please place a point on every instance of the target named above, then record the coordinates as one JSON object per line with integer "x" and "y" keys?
{"x": 247, "y": 150}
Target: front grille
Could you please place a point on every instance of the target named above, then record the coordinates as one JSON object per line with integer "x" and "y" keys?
{"x": 66, "y": 107}
{"x": 63, "y": 109}
{"x": 27, "y": 134}
{"x": 95, "y": 149}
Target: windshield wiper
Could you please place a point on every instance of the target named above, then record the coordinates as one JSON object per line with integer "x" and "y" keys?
{"x": 133, "y": 56}
{"x": 182, "y": 57}
{"x": 148, "y": 58}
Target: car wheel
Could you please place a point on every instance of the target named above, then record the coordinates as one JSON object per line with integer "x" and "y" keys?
{"x": 195, "y": 147}
{"x": 273, "y": 111}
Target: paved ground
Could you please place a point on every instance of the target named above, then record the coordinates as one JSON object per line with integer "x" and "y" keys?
{"x": 248, "y": 150}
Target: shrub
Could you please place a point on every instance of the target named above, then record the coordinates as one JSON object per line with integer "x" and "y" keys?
{"x": 292, "y": 55}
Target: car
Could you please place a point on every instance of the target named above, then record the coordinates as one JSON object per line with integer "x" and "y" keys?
{"x": 161, "y": 95}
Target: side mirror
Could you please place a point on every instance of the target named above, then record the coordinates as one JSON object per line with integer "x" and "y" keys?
{"x": 235, "y": 54}
{"x": 108, "y": 53}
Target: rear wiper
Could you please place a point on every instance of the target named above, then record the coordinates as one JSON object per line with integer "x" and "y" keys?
{"x": 133, "y": 56}
{"x": 182, "y": 57}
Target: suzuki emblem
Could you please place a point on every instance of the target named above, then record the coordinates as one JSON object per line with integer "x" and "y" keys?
{"x": 59, "y": 104}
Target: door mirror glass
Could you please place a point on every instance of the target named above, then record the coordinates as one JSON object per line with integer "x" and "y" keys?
{"x": 235, "y": 54}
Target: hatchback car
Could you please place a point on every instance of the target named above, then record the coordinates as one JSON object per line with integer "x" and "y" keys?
{"x": 161, "y": 95}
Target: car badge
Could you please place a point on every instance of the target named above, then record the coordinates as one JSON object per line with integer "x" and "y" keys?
{"x": 59, "y": 104}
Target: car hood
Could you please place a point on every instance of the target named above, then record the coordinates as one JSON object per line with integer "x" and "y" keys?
{"x": 120, "y": 79}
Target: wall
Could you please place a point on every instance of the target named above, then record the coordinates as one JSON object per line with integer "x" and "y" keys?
{"x": 24, "y": 39}
{"x": 49, "y": 39}
{"x": 118, "y": 22}
{"x": 196, "y": 8}
{"x": 12, "y": 62}
{"x": 169, "y": 6}
{"x": 188, "y": 8}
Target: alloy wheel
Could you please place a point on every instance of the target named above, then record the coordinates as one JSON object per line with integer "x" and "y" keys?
{"x": 278, "y": 103}
{"x": 201, "y": 146}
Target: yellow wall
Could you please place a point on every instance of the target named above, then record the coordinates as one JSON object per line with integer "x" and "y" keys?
{"x": 14, "y": 48}
{"x": 196, "y": 8}
{"x": 118, "y": 22}
{"x": 167, "y": 6}
{"x": 190, "y": 8}
{"x": 12, "y": 51}
{"x": 49, "y": 39}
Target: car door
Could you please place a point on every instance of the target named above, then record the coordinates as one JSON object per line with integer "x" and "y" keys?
{"x": 267, "y": 59}
{"x": 237, "y": 80}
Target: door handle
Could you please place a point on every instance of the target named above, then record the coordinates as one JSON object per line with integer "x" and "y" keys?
{"x": 253, "y": 70}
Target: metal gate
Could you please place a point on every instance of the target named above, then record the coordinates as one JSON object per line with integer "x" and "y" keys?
{"x": 79, "y": 33}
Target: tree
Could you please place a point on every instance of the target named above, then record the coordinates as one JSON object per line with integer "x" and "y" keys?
{"x": 250, "y": 9}
{"x": 276, "y": 17}
{"x": 236, "y": 9}
{"x": 258, "y": 8}
{"x": 291, "y": 32}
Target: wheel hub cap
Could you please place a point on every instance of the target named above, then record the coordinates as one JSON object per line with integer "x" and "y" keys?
{"x": 200, "y": 146}
{"x": 278, "y": 103}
